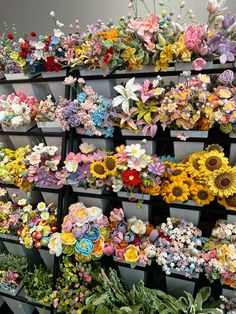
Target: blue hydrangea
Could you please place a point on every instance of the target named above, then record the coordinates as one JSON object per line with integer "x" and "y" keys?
{"x": 98, "y": 117}
{"x": 108, "y": 132}
{"x": 81, "y": 97}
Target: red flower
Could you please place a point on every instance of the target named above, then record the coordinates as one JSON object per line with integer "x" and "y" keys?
{"x": 10, "y": 36}
{"x": 51, "y": 65}
{"x": 131, "y": 177}
{"x": 107, "y": 56}
{"x": 33, "y": 34}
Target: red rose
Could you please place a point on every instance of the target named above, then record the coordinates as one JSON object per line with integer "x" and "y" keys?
{"x": 51, "y": 65}
{"x": 10, "y": 36}
{"x": 131, "y": 177}
{"x": 33, "y": 34}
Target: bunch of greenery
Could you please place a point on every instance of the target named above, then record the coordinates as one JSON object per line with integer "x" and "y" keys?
{"x": 12, "y": 263}
{"x": 38, "y": 285}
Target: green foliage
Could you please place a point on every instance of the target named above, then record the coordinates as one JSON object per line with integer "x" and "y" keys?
{"x": 38, "y": 285}
{"x": 9, "y": 262}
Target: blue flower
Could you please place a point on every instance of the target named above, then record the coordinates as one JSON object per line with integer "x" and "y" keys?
{"x": 108, "y": 132}
{"x": 98, "y": 117}
{"x": 84, "y": 247}
{"x": 44, "y": 241}
{"x": 89, "y": 133}
{"x": 93, "y": 234}
{"x": 55, "y": 40}
{"x": 81, "y": 97}
{"x": 169, "y": 158}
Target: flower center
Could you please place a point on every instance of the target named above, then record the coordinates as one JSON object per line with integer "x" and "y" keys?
{"x": 177, "y": 191}
{"x": 176, "y": 172}
{"x": 85, "y": 172}
{"x": 131, "y": 178}
{"x": 202, "y": 195}
{"x": 231, "y": 200}
{"x": 99, "y": 169}
{"x": 223, "y": 181}
{"x": 195, "y": 164}
{"x": 213, "y": 163}
{"x": 110, "y": 164}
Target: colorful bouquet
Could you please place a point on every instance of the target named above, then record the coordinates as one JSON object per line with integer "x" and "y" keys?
{"x": 179, "y": 247}
{"x": 13, "y": 167}
{"x": 138, "y": 105}
{"x": 83, "y": 233}
{"x": 90, "y": 168}
{"x": 17, "y": 110}
{"x": 89, "y": 113}
{"x": 137, "y": 172}
{"x": 12, "y": 271}
{"x": 46, "y": 110}
{"x": 220, "y": 254}
{"x": 43, "y": 164}
{"x": 130, "y": 240}
{"x": 38, "y": 224}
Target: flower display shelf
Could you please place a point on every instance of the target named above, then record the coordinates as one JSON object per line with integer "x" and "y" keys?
{"x": 91, "y": 201}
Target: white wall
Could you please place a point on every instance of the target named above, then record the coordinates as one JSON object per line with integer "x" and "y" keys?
{"x": 33, "y": 15}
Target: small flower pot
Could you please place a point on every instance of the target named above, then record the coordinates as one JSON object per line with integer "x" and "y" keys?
{"x": 102, "y": 87}
{"x": 52, "y": 127}
{"x": 176, "y": 286}
{"x": 184, "y": 149}
{"x": 56, "y": 89}
{"x": 131, "y": 210}
{"x": 105, "y": 143}
{"x": 182, "y": 273}
{"x": 124, "y": 194}
{"x": 47, "y": 258}
{"x": 37, "y": 90}
{"x": 50, "y": 198}
{"x": 14, "y": 291}
{"x": 187, "y": 214}
{"x": 228, "y": 293}
{"x": 15, "y": 249}
{"x": 149, "y": 146}
{"x": 32, "y": 197}
{"x": 92, "y": 201}
{"x": 19, "y": 141}
{"x": 232, "y": 154}
{"x": 18, "y": 307}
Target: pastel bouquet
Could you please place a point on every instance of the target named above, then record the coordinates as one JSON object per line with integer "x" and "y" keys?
{"x": 10, "y": 215}
{"x": 137, "y": 172}
{"x": 43, "y": 165}
{"x": 90, "y": 168}
{"x": 38, "y": 224}
{"x": 220, "y": 254}
{"x": 17, "y": 110}
{"x": 46, "y": 110}
{"x": 83, "y": 233}
{"x": 90, "y": 113}
{"x": 13, "y": 167}
{"x": 130, "y": 240}
{"x": 179, "y": 247}
{"x": 12, "y": 271}
{"x": 138, "y": 105}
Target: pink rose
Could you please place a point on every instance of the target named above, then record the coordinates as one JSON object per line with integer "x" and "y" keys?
{"x": 67, "y": 224}
{"x": 69, "y": 80}
{"x": 108, "y": 249}
{"x": 117, "y": 214}
{"x": 21, "y": 96}
{"x": 198, "y": 64}
{"x": 117, "y": 237}
{"x": 120, "y": 254}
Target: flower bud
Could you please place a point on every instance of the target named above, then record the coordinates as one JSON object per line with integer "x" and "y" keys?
{"x": 52, "y": 13}
{"x": 161, "y": 40}
{"x": 212, "y": 6}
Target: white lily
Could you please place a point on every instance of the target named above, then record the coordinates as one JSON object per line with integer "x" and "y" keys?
{"x": 127, "y": 93}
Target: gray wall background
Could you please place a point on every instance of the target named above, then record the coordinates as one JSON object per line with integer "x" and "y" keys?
{"x": 33, "y": 15}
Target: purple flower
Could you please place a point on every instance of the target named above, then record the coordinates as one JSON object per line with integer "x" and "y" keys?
{"x": 226, "y": 77}
{"x": 83, "y": 172}
{"x": 100, "y": 155}
{"x": 12, "y": 276}
{"x": 73, "y": 120}
{"x": 79, "y": 232}
{"x": 228, "y": 20}
{"x": 156, "y": 167}
{"x": 45, "y": 179}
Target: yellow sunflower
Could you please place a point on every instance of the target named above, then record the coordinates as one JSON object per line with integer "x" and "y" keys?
{"x": 177, "y": 191}
{"x": 222, "y": 183}
{"x": 110, "y": 164}
{"x": 169, "y": 167}
{"x": 228, "y": 202}
{"x": 177, "y": 174}
{"x": 201, "y": 194}
{"x": 98, "y": 169}
{"x": 212, "y": 147}
{"x": 211, "y": 161}
{"x": 192, "y": 166}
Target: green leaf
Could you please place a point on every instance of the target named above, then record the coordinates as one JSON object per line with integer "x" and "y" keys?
{"x": 205, "y": 293}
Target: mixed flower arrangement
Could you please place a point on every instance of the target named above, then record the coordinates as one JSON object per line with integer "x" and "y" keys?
{"x": 46, "y": 111}
{"x": 38, "y": 224}
{"x": 220, "y": 254}
{"x": 83, "y": 233}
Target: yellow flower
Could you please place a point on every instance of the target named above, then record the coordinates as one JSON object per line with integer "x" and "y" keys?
{"x": 177, "y": 191}
{"x": 201, "y": 194}
{"x": 211, "y": 161}
{"x": 128, "y": 55}
{"x": 21, "y": 62}
{"x": 135, "y": 66}
{"x": 131, "y": 254}
{"x": 14, "y": 55}
{"x": 228, "y": 202}
{"x": 222, "y": 182}
{"x": 166, "y": 54}
{"x": 159, "y": 66}
{"x": 22, "y": 202}
{"x": 192, "y": 165}
{"x": 68, "y": 238}
{"x": 98, "y": 169}
{"x": 204, "y": 78}
{"x": 152, "y": 190}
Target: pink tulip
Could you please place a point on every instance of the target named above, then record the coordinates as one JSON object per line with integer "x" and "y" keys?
{"x": 198, "y": 64}
{"x": 108, "y": 249}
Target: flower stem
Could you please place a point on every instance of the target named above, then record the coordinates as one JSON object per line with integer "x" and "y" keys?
{"x": 145, "y": 6}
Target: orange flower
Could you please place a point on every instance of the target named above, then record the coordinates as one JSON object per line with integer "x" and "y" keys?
{"x": 113, "y": 224}
{"x": 230, "y": 283}
{"x": 122, "y": 245}
{"x": 113, "y": 34}
{"x": 149, "y": 228}
{"x": 98, "y": 245}
{"x": 152, "y": 190}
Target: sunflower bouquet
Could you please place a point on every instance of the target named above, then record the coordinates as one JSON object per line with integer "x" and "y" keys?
{"x": 90, "y": 168}
{"x": 130, "y": 240}
{"x": 220, "y": 254}
{"x": 137, "y": 171}
{"x": 83, "y": 233}
{"x": 38, "y": 224}
{"x": 179, "y": 247}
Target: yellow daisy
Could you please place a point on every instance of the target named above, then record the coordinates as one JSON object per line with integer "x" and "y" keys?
{"x": 201, "y": 194}
{"x": 177, "y": 191}
{"x": 228, "y": 202}
{"x": 192, "y": 165}
{"x": 98, "y": 169}
{"x": 211, "y": 161}
{"x": 222, "y": 183}
{"x": 212, "y": 147}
